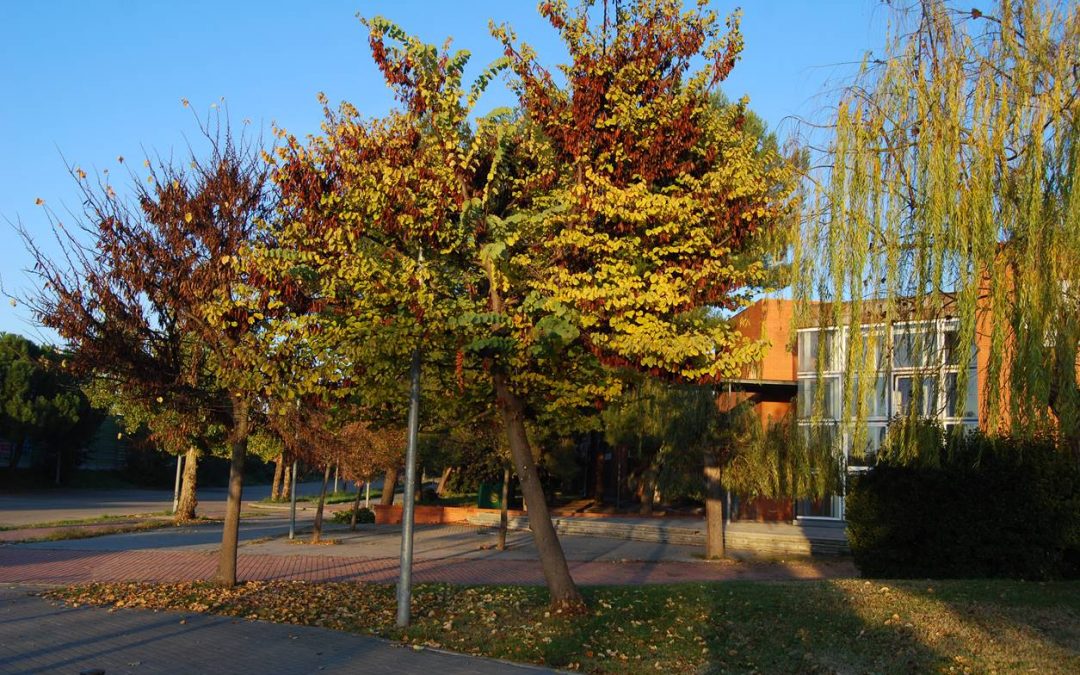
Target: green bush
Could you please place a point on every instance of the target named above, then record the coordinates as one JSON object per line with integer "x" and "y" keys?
{"x": 974, "y": 506}
{"x": 344, "y": 516}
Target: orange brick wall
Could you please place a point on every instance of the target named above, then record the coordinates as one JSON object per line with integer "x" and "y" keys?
{"x": 770, "y": 319}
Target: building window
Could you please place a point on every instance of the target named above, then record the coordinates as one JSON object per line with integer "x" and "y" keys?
{"x": 876, "y": 398}
{"x": 809, "y": 405}
{"x": 814, "y": 344}
{"x": 915, "y": 390}
{"x": 970, "y": 399}
{"x": 913, "y": 348}
{"x": 859, "y": 459}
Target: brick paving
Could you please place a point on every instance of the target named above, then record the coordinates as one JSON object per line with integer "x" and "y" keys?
{"x": 19, "y": 564}
{"x": 37, "y": 636}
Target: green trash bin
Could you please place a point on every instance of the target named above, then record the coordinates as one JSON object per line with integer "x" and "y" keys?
{"x": 489, "y": 496}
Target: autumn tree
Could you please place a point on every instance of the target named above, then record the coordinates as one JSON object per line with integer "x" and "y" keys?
{"x": 312, "y": 437}
{"x": 168, "y": 425}
{"x": 596, "y": 225}
{"x": 658, "y": 195}
{"x": 136, "y": 293}
{"x": 952, "y": 193}
{"x": 367, "y": 450}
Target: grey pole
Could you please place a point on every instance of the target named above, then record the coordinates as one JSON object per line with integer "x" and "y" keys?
{"x": 404, "y": 588}
{"x": 292, "y": 507}
{"x": 176, "y": 486}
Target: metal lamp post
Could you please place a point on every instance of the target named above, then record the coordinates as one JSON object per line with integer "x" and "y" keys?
{"x": 404, "y": 588}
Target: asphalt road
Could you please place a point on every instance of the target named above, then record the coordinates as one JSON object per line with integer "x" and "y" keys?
{"x": 43, "y": 506}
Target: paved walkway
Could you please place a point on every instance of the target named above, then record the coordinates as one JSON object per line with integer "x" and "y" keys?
{"x": 454, "y": 554}
{"x": 46, "y": 566}
{"x": 37, "y": 636}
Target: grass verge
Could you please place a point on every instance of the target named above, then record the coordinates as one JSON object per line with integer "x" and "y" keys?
{"x": 95, "y": 520}
{"x": 63, "y": 533}
{"x": 331, "y": 498}
{"x": 828, "y": 626}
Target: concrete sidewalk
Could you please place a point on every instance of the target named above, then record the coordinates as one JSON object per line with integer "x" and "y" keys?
{"x": 38, "y": 636}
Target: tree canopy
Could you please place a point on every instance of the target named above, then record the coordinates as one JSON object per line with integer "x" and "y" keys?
{"x": 40, "y": 401}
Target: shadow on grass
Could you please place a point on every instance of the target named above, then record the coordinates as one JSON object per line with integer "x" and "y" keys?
{"x": 891, "y": 627}
{"x": 796, "y": 627}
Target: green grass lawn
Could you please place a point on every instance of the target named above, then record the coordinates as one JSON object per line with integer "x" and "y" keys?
{"x": 339, "y": 497}
{"x": 828, "y": 626}
{"x": 465, "y": 499}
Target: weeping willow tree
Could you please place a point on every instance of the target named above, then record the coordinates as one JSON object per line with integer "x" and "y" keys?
{"x": 772, "y": 459}
{"x": 950, "y": 191}
{"x": 669, "y": 429}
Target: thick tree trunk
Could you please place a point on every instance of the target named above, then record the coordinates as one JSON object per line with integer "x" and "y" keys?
{"x": 564, "y": 593}
{"x": 279, "y": 473}
{"x": 226, "y": 574}
{"x": 714, "y": 508}
{"x": 503, "y": 506}
{"x": 355, "y": 510}
{"x": 316, "y": 531}
{"x": 389, "y": 484}
{"x": 286, "y": 483}
{"x": 648, "y": 481}
{"x": 185, "y": 508}
{"x": 598, "y": 476}
{"x": 443, "y": 480}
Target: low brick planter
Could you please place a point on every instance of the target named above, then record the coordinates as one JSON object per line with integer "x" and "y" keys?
{"x": 431, "y": 515}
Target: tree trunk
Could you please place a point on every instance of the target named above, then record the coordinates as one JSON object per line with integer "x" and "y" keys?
{"x": 286, "y": 482}
{"x": 714, "y": 508}
{"x": 279, "y": 473}
{"x": 564, "y": 593}
{"x": 503, "y": 506}
{"x": 598, "y": 475}
{"x": 316, "y": 532}
{"x": 226, "y": 574}
{"x": 443, "y": 480}
{"x": 648, "y": 481}
{"x": 185, "y": 508}
{"x": 389, "y": 484}
{"x": 355, "y": 510}
{"x": 15, "y": 454}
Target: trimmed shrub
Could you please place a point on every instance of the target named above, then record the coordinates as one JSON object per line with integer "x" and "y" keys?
{"x": 980, "y": 507}
{"x": 344, "y": 516}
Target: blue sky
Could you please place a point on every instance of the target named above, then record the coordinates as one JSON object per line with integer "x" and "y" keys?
{"x": 87, "y": 82}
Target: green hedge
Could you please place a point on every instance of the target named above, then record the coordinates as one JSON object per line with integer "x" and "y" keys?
{"x": 982, "y": 507}
{"x": 362, "y": 516}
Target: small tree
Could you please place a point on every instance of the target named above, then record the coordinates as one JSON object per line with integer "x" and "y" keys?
{"x": 40, "y": 403}
{"x": 597, "y": 224}
{"x": 139, "y": 300}
{"x": 366, "y": 451}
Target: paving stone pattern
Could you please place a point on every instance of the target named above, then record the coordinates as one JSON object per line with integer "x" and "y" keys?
{"x": 52, "y": 566}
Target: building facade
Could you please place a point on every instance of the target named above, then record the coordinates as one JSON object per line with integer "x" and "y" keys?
{"x": 915, "y": 364}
